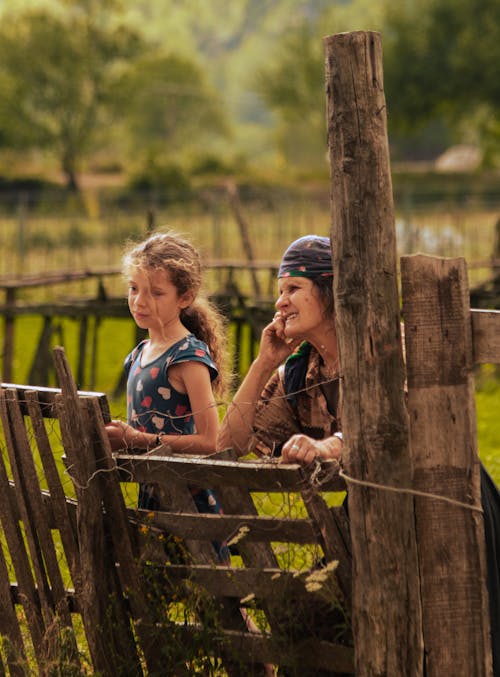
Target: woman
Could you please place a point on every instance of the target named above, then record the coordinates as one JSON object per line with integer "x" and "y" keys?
{"x": 292, "y": 409}
{"x": 288, "y": 403}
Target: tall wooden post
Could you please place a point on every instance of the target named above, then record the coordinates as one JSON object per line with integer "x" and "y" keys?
{"x": 386, "y": 603}
{"x": 443, "y": 433}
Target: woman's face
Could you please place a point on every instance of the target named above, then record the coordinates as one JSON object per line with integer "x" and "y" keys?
{"x": 301, "y": 307}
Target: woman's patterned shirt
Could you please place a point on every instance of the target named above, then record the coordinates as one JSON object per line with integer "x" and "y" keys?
{"x": 281, "y": 413}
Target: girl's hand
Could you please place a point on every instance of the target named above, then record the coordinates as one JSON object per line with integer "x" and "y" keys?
{"x": 124, "y": 436}
{"x": 303, "y": 450}
{"x": 275, "y": 347}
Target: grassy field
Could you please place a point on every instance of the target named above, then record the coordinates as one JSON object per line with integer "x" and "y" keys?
{"x": 116, "y": 338}
{"x": 38, "y": 242}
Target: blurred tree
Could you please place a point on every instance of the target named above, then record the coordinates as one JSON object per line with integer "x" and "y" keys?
{"x": 55, "y": 76}
{"x": 293, "y": 88}
{"x": 167, "y": 106}
{"x": 442, "y": 63}
{"x": 292, "y": 83}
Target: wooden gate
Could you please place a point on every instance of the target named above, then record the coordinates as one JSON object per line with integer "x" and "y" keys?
{"x": 150, "y": 597}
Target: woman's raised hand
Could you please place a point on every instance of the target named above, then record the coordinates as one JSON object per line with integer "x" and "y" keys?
{"x": 275, "y": 347}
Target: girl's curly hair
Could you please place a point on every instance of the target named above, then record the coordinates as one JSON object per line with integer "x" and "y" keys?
{"x": 174, "y": 254}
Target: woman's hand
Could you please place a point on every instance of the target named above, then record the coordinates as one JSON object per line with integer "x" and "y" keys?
{"x": 275, "y": 347}
{"x": 303, "y": 450}
{"x": 124, "y": 436}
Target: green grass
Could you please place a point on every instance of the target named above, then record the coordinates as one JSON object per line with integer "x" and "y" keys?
{"x": 488, "y": 421}
{"x": 116, "y": 337}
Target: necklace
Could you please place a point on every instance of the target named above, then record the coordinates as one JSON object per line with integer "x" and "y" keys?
{"x": 330, "y": 366}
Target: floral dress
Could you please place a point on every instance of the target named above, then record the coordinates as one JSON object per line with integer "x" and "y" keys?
{"x": 155, "y": 406}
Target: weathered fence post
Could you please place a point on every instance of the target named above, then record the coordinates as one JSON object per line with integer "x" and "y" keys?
{"x": 443, "y": 435}
{"x": 386, "y": 603}
{"x": 8, "y": 333}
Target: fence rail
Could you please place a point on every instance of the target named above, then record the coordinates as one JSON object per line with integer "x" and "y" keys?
{"x": 231, "y": 290}
{"x": 119, "y": 558}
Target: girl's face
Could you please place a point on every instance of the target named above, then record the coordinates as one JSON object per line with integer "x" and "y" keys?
{"x": 153, "y": 300}
{"x": 301, "y": 308}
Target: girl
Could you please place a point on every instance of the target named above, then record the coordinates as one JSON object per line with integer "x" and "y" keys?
{"x": 170, "y": 375}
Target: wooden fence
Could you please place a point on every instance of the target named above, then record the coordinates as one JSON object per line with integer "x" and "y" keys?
{"x": 124, "y": 573}
{"x": 127, "y": 586}
{"x": 151, "y": 600}
{"x": 232, "y": 289}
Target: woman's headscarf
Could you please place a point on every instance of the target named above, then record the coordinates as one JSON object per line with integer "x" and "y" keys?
{"x": 309, "y": 256}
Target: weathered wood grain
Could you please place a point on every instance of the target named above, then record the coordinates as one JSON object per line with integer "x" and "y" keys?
{"x": 388, "y": 637}
{"x": 451, "y": 547}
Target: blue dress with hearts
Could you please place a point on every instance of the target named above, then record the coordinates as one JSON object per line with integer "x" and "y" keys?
{"x": 155, "y": 406}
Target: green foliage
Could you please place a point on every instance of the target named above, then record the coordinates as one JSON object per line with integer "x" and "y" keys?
{"x": 442, "y": 62}
{"x": 166, "y": 182}
{"x": 56, "y": 73}
{"x": 488, "y": 421}
{"x": 167, "y": 106}
{"x": 292, "y": 84}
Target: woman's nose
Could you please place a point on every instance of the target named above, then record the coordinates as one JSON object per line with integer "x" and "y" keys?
{"x": 281, "y": 301}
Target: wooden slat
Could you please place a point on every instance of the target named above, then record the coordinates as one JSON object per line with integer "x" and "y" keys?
{"x": 205, "y": 471}
{"x": 47, "y": 398}
{"x": 450, "y": 538}
{"x": 334, "y": 538}
{"x": 9, "y": 624}
{"x": 224, "y": 527}
{"x": 40, "y": 532}
{"x": 99, "y": 587}
{"x": 305, "y": 656}
{"x": 486, "y": 336}
{"x": 18, "y": 447}
{"x": 115, "y": 516}
{"x": 244, "y": 581}
{"x": 57, "y": 508}
{"x": 17, "y": 549}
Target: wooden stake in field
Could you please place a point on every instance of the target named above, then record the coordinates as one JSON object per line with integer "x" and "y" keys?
{"x": 386, "y": 602}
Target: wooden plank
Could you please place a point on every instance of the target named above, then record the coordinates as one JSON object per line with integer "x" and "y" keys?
{"x": 9, "y": 624}
{"x": 305, "y": 657}
{"x": 486, "y": 336}
{"x": 18, "y": 447}
{"x": 17, "y": 550}
{"x": 262, "y": 583}
{"x": 57, "y": 509}
{"x": 99, "y": 585}
{"x": 205, "y": 471}
{"x": 47, "y": 398}
{"x": 210, "y": 527}
{"x": 51, "y": 592}
{"x": 444, "y": 446}
{"x": 388, "y": 639}
{"x": 122, "y": 547}
{"x": 334, "y": 537}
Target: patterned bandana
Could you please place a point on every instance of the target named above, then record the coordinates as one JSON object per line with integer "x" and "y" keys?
{"x": 309, "y": 256}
